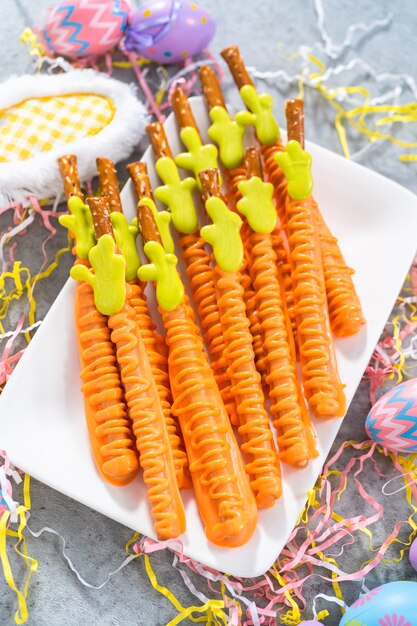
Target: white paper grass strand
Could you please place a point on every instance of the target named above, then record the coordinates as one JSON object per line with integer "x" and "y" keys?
{"x": 40, "y": 175}
{"x": 82, "y": 580}
{"x": 332, "y": 599}
{"x": 334, "y": 51}
{"x": 392, "y": 87}
{"x": 14, "y": 231}
{"x": 23, "y": 331}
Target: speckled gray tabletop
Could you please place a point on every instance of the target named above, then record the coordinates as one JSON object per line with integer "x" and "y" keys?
{"x": 268, "y": 33}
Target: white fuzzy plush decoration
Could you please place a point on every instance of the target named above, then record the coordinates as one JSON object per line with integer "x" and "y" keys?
{"x": 39, "y": 175}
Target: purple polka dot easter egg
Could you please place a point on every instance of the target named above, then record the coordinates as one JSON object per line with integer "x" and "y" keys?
{"x": 169, "y": 31}
{"x": 413, "y": 555}
{"x": 82, "y": 28}
{"x": 392, "y": 421}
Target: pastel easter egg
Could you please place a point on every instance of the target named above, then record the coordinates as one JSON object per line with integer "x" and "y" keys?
{"x": 311, "y": 622}
{"x": 169, "y": 31}
{"x": 392, "y": 421}
{"x": 83, "y": 28}
{"x": 392, "y": 604}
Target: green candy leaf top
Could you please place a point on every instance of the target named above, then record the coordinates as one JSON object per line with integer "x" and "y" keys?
{"x": 224, "y": 235}
{"x": 199, "y": 157}
{"x": 177, "y": 195}
{"x": 259, "y": 115}
{"x": 125, "y": 235}
{"x": 163, "y": 271}
{"x": 163, "y": 220}
{"x": 108, "y": 278}
{"x": 256, "y": 204}
{"x": 296, "y": 165}
{"x": 228, "y": 134}
{"x": 80, "y": 223}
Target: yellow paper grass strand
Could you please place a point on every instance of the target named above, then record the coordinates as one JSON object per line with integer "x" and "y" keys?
{"x": 21, "y": 614}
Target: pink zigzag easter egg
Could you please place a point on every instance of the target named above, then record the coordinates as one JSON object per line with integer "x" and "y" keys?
{"x": 81, "y": 28}
{"x": 392, "y": 421}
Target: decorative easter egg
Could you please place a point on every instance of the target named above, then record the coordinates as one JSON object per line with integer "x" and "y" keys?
{"x": 168, "y": 31}
{"x": 392, "y": 421}
{"x": 393, "y": 604}
{"x": 311, "y": 622}
{"x": 82, "y": 28}
{"x": 413, "y": 554}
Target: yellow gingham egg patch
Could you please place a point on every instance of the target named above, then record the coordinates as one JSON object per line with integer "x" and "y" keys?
{"x": 37, "y": 125}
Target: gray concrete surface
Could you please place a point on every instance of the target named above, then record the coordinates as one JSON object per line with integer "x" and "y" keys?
{"x": 268, "y": 32}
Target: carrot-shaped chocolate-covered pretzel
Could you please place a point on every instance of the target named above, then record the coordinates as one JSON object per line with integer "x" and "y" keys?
{"x": 322, "y": 385}
{"x": 111, "y": 295}
{"x": 224, "y": 131}
{"x": 345, "y": 309}
{"x": 262, "y": 465}
{"x": 267, "y": 132}
{"x": 125, "y": 235}
{"x": 259, "y": 114}
{"x": 199, "y": 156}
{"x": 228, "y": 135}
{"x": 296, "y": 438}
{"x": 105, "y": 407}
{"x": 177, "y": 195}
{"x": 223, "y": 494}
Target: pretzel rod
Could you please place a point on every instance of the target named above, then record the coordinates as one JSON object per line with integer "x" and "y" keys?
{"x": 262, "y": 465}
{"x": 78, "y": 221}
{"x": 105, "y": 407}
{"x": 267, "y": 133}
{"x": 210, "y": 184}
{"x": 155, "y": 344}
{"x": 100, "y": 211}
{"x": 159, "y": 141}
{"x": 232, "y": 179}
{"x": 236, "y": 66}
{"x": 345, "y": 310}
{"x": 223, "y": 494}
{"x": 211, "y": 87}
{"x": 104, "y": 402}
{"x": 145, "y": 406}
{"x": 158, "y": 359}
{"x": 296, "y": 440}
{"x": 322, "y": 385}
{"x": 148, "y": 227}
{"x": 274, "y": 174}
{"x": 149, "y": 426}
{"x": 199, "y": 156}
{"x": 294, "y": 112}
{"x": 182, "y": 109}
{"x": 138, "y": 173}
{"x": 285, "y": 279}
{"x": 68, "y": 168}
{"x": 228, "y": 134}
{"x": 109, "y": 185}
{"x": 202, "y": 285}
{"x": 183, "y": 112}
{"x": 199, "y": 269}
{"x": 253, "y": 162}
{"x": 221, "y": 488}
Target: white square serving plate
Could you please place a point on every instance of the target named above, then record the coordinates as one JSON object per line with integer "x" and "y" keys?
{"x": 42, "y": 425}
